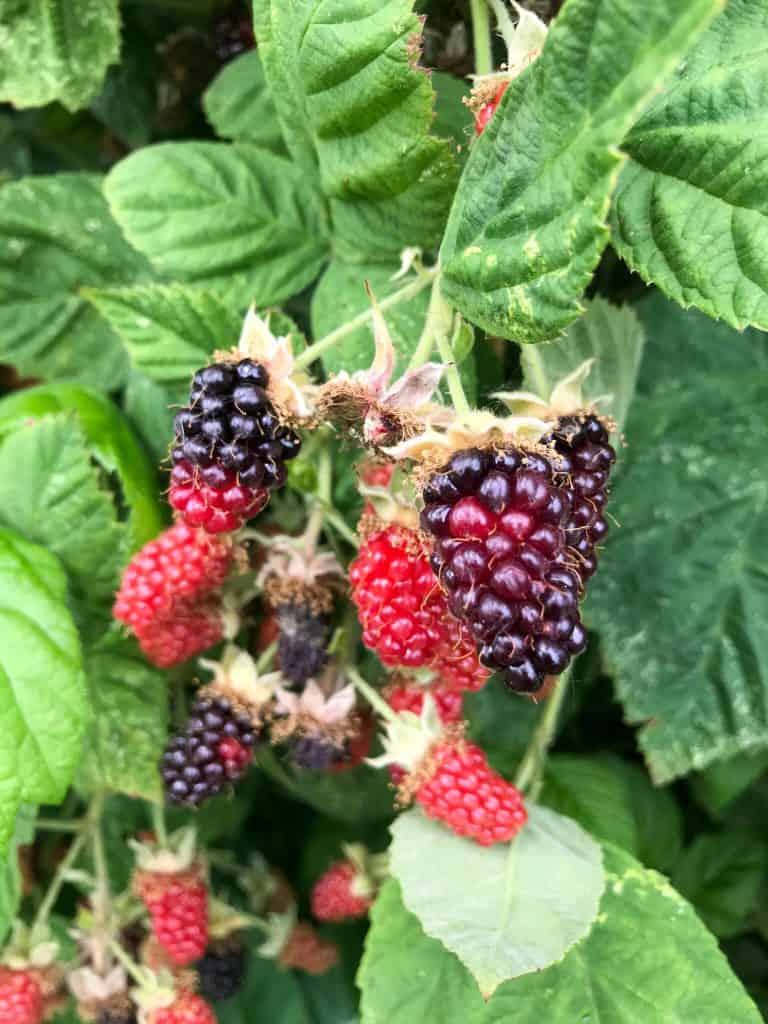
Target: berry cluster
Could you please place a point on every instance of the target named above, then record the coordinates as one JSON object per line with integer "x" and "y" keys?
{"x": 341, "y": 892}
{"x": 178, "y": 908}
{"x": 584, "y": 464}
{"x": 230, "y": 447}
{"x": 187, "y": 1008}
{"x": 404, "y": 697}
{"x": 215, "y": 748}
{"x": 166, "y": 594}
{"x": 498, "y": 521}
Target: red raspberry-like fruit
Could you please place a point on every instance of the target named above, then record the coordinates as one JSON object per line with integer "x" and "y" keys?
{"x": 167, "y": 594}
{"x": 187, "y": 1008}
{"x": 216, "y": 509}
{"x": 178, "y": 908}
{"x": 307, "y": 951}
{"x": 404, "y": 697}
{"x": 487, "y": 110}
{"x": 498, "y": 522}
{"x": 464, "y": 792}
{"x": 374, "y": 473}
{"x": 457, "y": 664}
{"x": 342, "y": 892}
{"x": 401, "y": 609}
{"x": 21, "y": 1001}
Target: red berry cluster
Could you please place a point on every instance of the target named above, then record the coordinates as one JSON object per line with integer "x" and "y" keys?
{"x": 334, "y": 897}
{"x": 500, "y": 554}
{"x": 21, "y": 1000}
{"x": 178, "y": 908}
{"x": 404, "y": 697}
{"x": 167, "y": 594}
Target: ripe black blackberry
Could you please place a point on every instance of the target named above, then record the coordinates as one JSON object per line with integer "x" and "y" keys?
{"x": 302, "y": 643}
{"x": 584, "y": 463}
{"x": 230, "y": 446}
{"x": 498, "y": 521}
{"x": 319, "y": 753}
{"x": 221, "y": 972}
{"x": 215, "y": 748}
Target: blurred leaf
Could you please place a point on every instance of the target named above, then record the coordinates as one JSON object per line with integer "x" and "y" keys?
{"x": 528, "y": 903}
{"x": 591, "y": 792}
{"x": 239, "y": 105}
{"x": 128, "y": 98}
{"x": 453, "y": 119}
{"x": 500, "y": 723}
{"x": 721, "y": 783}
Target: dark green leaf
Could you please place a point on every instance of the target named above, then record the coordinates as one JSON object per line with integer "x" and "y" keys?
{"x": 721, "y": 783}
{"x": 239, "y": 105}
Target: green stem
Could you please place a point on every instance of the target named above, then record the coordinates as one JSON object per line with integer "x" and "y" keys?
{"x": 313, "y": 352}
{"x": 481, "y": 36}
{"x": 531, "y": 771}
{"x": 322, "y": 502}
{"x": 374, "y": 699}
{"x": 139, "y": 976}
{"x": 60, "y": 824}
{"x": 265, "y": 659}
{"x": 337, "y": 522}
{"x": 158, "y": 825}
{"x": 452, "y": 378}
{"x": 439, "y": 316}
{"x": 58, "y": 879}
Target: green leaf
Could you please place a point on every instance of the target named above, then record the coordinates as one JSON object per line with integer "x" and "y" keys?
{"x": 689, "y": 212}
{"x": 239, "y": 105}
{"x": 10, "y": 874}
{"x": 128, "y": 99}
{"x": 56, "y": 237}
{"x": 148, "y": 406}
{"x": 43, "y": 700}
{"x": 721, "y": 783}
{"x": 658, "y": 822}
{"x": 56, "y": 50}
{"x": 130, "y": 708}
{"x": 528, "y": 222}
{"x": 429, "y": 987}
{"x": 340, "y": 296}
{"x": 722, "y": 876}
{"x": 355, "y": 795}
{"x": 351, "y": 97}
{"x": 169, "y": 331}
{"x": 680, "y": 600}
{"x": 50, "y": 492}
{"x": 528, "y": 903}
{"x": 235, "y": 217}
{"x": 611, "y": 335}
{"x": 453, "y": 119}
{"x": 111, "y": 443}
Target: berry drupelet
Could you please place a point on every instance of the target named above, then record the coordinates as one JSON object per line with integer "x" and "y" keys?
{"x": 498, "y": 520}
{"x": 230, "y": 447}
{"x": 222, "y": 970}
{"x": 215, "y": 748}
{"x": 302, "y": 641}
{"x": 584, "y": 462}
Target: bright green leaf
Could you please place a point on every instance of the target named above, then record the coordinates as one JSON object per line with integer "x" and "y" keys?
{"x": 611, "y": 335}
{"x": 351, "y": 97}
{"x": 239, "y": 105}
{"x": 57, "y": 236}
{"x": 43, "y": 701}
{"x": 690, "y": 209}
{"x": 111, "y": 443}
{"x": 56, "y": 50}
{"x": 528, "y": 223}
{"x": 129, "y": 730}
{"x": 527, "y": 904}
{"x": 235, "y": 217}
{"x": 680, "y": 599}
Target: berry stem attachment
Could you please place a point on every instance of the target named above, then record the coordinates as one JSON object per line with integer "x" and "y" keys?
{"x": 313, "y": 352}
{"x": 530, "y": 774}
{"x": 481, "y": 37}
{"x": 158, "y": 825}
{"x": 374, "y": 699}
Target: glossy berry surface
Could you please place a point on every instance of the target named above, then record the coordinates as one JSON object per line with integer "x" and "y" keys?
{"x": 404, "y": 697}
{"x": 21, "y": 1001}
{"x": 466, "y": 794}
{"x": 339, "y": 893}
{"x": 586, "y": 460}
{"x": 497, "y": 518}
{"x": 188, "y": 1008}
{"x": 221, "y": 972}
{"x": 167, "y": 594}
{"x": 487, "y": 110}
{"x": 178, "y": 910}
{"x": 214, "y": 750}
{"x": 230, "y": 447}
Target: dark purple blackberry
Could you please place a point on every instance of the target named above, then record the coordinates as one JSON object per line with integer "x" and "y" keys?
{"x": 231, "y": 426}
{"x": 585, "y": 462}
{"x": 221, "y": 972}
{"x": 233, "y": 33}
{"x": 318, "y": 753}
{"x": 302, "y": 643}
{"x": 498, "y": 521}
{"x": 215, "y": 748}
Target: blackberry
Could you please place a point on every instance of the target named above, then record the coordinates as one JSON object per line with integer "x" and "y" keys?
{"x": 221, "y": 972}
{"x": 215, "y": 748}
{"x": 233, "y": 33}
{"x": 230, "y": 447}
{"x": 319, "y": 753}
{"x": 498, "y": 522}
{"x": 120, "y": 1013}
{"x": 302, "y": 644}
{"x": 584, "y": 463}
